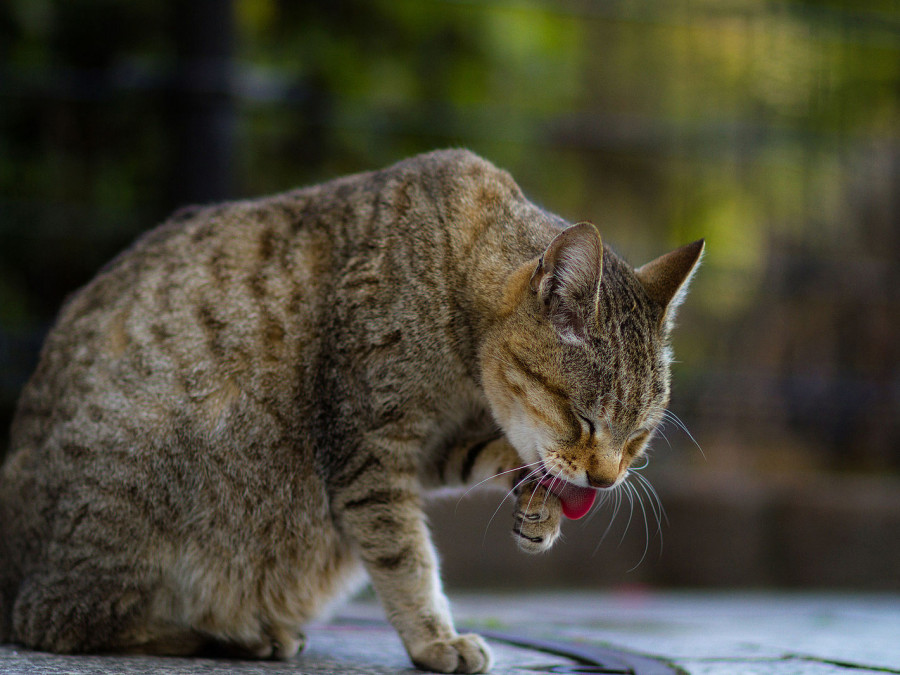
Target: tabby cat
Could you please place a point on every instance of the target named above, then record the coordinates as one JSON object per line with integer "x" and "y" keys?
{"x": 242, "y": 412}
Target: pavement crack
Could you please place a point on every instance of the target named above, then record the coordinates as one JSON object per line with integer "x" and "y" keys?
{"x": 844, "y": 664}
{"x": 804, "y": 658}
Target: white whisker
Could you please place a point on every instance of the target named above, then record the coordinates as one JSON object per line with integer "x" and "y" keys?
{"x": 655, "y": 503}
{"x": 642, "y": 466}
{"x": 646, "y": 527}
{"x": 628, "y": 490}
{"x": 662, "y": 433}
{"x": 502, "y": 473}
{"x": 616, "y": 496}
{"x": 672, "y": 417}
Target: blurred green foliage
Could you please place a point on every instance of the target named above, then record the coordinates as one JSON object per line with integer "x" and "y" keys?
{"x": 770, "y": 128}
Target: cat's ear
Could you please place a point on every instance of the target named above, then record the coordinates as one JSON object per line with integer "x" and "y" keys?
{"x": 567, "y": 280}
{"x": 666, "y": 279}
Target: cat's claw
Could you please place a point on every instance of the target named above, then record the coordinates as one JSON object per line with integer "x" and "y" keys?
{"x": 462, "y": 654}
{"x": 537, "y": 518}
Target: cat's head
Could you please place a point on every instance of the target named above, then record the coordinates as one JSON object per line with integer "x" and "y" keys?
{"x": 577, "y": 373}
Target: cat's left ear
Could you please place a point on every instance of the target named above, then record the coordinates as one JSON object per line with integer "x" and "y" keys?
{"x": 666, "y": 279}
{"x": 567, "y": 280}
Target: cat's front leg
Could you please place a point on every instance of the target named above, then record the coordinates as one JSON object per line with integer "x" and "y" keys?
{"x": 491, "y": 460}
{"x": 538, "y": 511}
{"x": 381, "y": 512}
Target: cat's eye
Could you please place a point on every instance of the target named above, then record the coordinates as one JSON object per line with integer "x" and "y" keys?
{"x": 590, "y": 424}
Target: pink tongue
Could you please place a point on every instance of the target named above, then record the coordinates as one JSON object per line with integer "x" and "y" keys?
{"x": 576, "y": 501}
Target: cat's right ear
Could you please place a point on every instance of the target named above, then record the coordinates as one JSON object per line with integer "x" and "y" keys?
{"x": 567, "y": 280}
{"x": 666, "y": 279}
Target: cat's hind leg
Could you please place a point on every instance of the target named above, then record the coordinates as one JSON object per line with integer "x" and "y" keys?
{"x": 88, "y": 611}
{"x": 84, "y": 609}
{"x": 278, "y": 645}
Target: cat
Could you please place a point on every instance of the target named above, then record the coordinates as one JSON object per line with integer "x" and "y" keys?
{"x": 242, "y": 412}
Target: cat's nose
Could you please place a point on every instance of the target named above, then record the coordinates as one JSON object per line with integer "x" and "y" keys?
{"x": 596, "y": 480}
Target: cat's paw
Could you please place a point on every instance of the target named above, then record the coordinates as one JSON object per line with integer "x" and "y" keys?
{"x": 287, "y": 645}
{"x": 277, "y": 645}
{"x": 537, "y": 518}
{"x": 462, "y": 654}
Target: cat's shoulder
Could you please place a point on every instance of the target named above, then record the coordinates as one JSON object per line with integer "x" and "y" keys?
{"x": 462, "y": 178}
{"x": 451, "y": 158}
{"x": 456, "y": 165}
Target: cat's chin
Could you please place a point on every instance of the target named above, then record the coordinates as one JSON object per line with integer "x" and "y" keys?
{"x": 576, "y": 501}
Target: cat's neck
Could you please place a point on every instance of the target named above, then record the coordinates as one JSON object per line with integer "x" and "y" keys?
{"x": 495, "y": 276}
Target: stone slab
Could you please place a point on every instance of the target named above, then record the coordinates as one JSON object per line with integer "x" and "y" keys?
{"x": 345, "y": 648}
{"x": 709, "y": 633}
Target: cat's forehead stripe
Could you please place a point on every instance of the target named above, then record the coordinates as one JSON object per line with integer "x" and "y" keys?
{"x": 537, "y": 376}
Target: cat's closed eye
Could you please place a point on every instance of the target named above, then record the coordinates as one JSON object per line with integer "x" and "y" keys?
{"x": 590, "y": 425}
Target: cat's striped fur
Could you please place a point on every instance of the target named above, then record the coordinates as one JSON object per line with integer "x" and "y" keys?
{"x": 243, "y": 411}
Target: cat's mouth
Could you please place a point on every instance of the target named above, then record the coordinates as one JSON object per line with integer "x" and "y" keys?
{"x": 576, "y": 501}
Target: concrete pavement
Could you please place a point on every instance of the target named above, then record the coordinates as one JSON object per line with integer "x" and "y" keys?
{"x": 709, "y": 633}
{"x": 716, "y": 633}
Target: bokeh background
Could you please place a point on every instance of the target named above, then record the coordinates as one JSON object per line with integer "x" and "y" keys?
{"x": 772, "y": 128}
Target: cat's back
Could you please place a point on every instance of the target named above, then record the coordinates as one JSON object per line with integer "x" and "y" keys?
{"x": 219, "y": 305}
{"x": 164, "y": 312}
{"x": 226, "y": 292}
{"x": 236, "y": 297}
